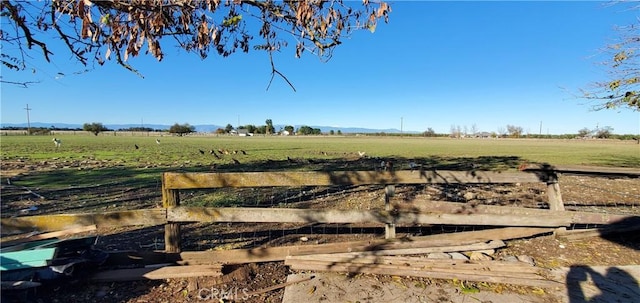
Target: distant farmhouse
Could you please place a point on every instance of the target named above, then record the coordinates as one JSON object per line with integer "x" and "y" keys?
{"x": 243, "y": 132}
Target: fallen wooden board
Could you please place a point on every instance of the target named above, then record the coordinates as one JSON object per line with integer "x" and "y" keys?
{"x": 425, "y": 250}
{"x": 155, "y": 273}
{"x": 50, "y": 235}
{"x": 578, "y": 234}
{"x": 238, "y": 256}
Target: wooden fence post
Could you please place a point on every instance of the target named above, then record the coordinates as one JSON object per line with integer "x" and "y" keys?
{"x": 553, "y": 192}
{"x": 555, "y": 197}
{"x": 390, "y": 228}
{"x": 172, "y": 236}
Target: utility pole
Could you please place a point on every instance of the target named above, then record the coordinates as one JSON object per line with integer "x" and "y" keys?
{"x": 28, "y": 120}
{"x": 541, "y": 128}
{"x": 401, "y": 124}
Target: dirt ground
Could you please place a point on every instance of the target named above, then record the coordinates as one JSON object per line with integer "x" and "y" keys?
{"x": 598, "y": 194}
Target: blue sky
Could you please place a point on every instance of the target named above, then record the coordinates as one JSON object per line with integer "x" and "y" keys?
{"x": 435, "y": 65}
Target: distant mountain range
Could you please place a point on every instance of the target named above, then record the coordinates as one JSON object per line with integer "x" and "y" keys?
{"x": 207, "y": 127}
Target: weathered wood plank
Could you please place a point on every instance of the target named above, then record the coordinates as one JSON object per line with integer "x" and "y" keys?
{"x": 50, "y": 235}
{"x": 344, "y": 257}
{"x": 555, "y": 196}
{"x": 579, "y": 234}
{"x": 239, "y": 256}
{"x": 46, "y": 223}
{"x": 172, "y": 180}
{"x": 172, "y": 231}
{"x": 389, "y": 228}
{"x": 632, "y": 172}
{"x": 155, "y": 273}
{"x": 439, "y": 207}
{"x": 289, "y": 215}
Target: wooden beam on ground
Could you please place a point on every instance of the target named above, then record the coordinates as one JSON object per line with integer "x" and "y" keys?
{"x": 158, "y": 273}
{"x": 578, "y": 234}
{"x": 172, "y": 180}
{"x": 254, "y": 255}
{"x": 290, "y": 215}
{"x": 50, "y": 235}
{"x": 47, "y": 223}
{"x": 485, "y": 271}
{"x": 415, "y": 251}
{"x": 575, "y": 217}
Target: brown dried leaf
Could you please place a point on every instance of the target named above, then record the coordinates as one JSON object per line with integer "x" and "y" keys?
{"x": 80, "y": 9}
{"x": 215, "y": 37}
{"x": 159, "y": 54}
{"x": 299, "y": 50}
{"x": 85, "y": 32}
{"x": 382, "y": 10}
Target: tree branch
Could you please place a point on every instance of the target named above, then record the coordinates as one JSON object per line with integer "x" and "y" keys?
{"x": 15, "y": 16}
{"x": 23, "y": 84}
{"x": 65, "y": 38}
{"x": 274, "y": 71}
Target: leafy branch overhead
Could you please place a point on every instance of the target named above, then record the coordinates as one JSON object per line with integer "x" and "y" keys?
{"x": 621, "y": 90}
{"x": 118, "y": 29}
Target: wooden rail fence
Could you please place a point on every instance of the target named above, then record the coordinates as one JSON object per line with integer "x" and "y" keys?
{"x": 172, "y": 215}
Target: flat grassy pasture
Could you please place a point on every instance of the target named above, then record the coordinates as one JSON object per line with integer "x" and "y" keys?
{"x": 107, "y": 172}
{"x": 185, "y": 151}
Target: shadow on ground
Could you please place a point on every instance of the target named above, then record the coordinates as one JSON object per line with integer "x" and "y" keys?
{"x": 612, "y": 284}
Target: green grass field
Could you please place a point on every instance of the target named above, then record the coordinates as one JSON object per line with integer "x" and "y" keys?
{"x": 184, "y": 151}
{"x": 87, "y": 159}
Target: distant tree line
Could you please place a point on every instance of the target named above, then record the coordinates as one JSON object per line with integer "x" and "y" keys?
{"x": 513, "y": 131}
{"x": 140, "y": 129}
{"x": 456, "y": 131}
{"x": 269, "y": 129}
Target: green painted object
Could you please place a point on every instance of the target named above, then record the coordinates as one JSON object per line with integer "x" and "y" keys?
{"x": 41, "y": 253}
{"x": 30, "y": 245}
{"x": 30, "y": 258}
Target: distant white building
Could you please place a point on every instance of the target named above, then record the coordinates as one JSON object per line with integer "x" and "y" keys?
{"x": 243, "y": 132}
